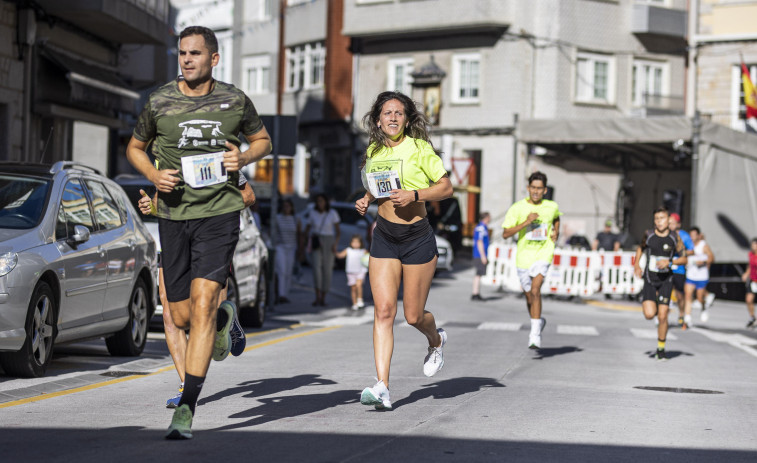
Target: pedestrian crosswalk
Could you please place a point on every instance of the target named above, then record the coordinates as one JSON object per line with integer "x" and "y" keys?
{"x": 366, "y": 317}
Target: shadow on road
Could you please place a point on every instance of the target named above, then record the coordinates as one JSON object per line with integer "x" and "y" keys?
{"x": 268, "y": 386}
{"x": 669, "y": 354}
{"x": 448, "y": 388}
{"x": 130, "y": 444}
{"x": 546, "y": 352}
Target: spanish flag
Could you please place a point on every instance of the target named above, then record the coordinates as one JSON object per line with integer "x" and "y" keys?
{"x": 750, "y": 94}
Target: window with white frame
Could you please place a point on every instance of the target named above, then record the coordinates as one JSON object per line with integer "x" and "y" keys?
{"x": 595, "y": 78}
{"x": 653, "y": 2}
{"x": 258, "y": 10}
{"x": 398, "y": 76}
{"x": 466, "y": 78}
{"x": 305, "y": 66}
{"x": 650, "y": 83}
{"x": 738, "y": 107}
{"x": 256, "y": 74}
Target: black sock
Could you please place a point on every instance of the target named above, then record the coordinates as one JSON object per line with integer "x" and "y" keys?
{"x": 221, "y": 319}
{"x": 192, "y": 388}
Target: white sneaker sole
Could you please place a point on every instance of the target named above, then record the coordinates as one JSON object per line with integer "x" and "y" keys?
{"x": 369, "y": 398}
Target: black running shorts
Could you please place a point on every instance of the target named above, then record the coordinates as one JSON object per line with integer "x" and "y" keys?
{"x": 412, "y": 244}
{"x": 196, "y": 248}
{"x": 679, "y": 279}
{"x": 658, "y": 291}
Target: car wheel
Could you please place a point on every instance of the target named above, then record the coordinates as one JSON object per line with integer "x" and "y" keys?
{"x": 130, "y": 341}
{"x": 34, "y": 357}
{"x": 255, "y": 315}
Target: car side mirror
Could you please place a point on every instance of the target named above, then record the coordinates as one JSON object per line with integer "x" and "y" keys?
{"x": 81, "y": 234}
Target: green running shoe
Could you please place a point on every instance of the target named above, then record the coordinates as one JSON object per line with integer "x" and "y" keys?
{"x": 181, "y": 424}
{"x": 222, "y": 345}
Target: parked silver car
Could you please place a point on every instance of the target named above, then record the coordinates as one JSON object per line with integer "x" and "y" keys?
{"x": 248, "y": 284}
{"x": 76, "y": 262}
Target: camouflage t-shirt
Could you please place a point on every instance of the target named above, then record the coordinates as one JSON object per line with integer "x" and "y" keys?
{"x": 180, "y": 126}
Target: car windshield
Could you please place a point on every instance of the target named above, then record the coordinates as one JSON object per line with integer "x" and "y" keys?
{"x": 22, "y": 201}
{"x": 132, "y": 191}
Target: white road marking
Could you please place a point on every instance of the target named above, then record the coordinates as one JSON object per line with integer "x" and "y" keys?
{"x": 579, "y": 330}
{"x": 650, "y": 334}
{"x": 738, "y": 341}
{"x": 499, "y": 326}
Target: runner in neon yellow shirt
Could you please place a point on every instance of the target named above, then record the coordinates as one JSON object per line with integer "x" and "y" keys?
{"x": 536, "y": 221}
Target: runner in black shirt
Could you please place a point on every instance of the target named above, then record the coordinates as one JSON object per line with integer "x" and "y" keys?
{"x": 659, "y": 248}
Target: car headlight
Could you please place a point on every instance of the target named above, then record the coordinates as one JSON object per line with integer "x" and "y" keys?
{"x": 8, "y": 262}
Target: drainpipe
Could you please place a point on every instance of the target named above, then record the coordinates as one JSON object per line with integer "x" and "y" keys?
{"x": 696, "y": 129}
{"x": 26, "y": 33}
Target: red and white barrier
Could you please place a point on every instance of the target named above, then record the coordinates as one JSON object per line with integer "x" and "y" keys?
{"x": 572, "y": 273}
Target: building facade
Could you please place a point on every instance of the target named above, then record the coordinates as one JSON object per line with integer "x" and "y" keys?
{"x": 723, "y": 35}
{"x": 509, "y": 60}
{"x": 70, "y": 75}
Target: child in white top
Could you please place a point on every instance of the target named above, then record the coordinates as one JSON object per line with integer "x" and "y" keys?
{"x": 355, "y": 267}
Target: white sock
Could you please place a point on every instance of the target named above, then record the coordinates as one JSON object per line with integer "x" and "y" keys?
{"x": 535, "y": 326}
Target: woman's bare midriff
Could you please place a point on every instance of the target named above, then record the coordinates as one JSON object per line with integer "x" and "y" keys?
{"x": 411, "y": 213}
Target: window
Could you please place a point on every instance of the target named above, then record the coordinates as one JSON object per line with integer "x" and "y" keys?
{"x": 649, "y": 83}
{"x": 258, "y": 10}
{"x": 398, "y": 75}
{"x": 466, "y": 78}
{"x": 305, "y": 66}
{"x": 74, "y": 210}
{"x": 106, "y": 209}
{"x": 256, "y": 75}
{"x": 738, "y": 107}
{"x": 595, "y": 78}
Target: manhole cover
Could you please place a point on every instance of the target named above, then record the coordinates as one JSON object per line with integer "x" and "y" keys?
{"x": 119, "y": 374}
{"x": 677, "y": 390}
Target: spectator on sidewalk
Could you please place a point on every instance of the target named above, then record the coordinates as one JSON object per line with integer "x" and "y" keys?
{"x": 355, "y": 267}
{"x": 480, "y": 248}
{"x": 286, "y": 249}
{"x": 606, "y": 240}
{"x": 322, "y": 230}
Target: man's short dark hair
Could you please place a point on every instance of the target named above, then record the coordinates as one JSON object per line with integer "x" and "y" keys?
{"x": 661, "y": 209}
{"x": 538, "y": 176}
{"x": 211, "y": 42}
{"x": 482, "y": 216}
{"x": 696, "y": 229}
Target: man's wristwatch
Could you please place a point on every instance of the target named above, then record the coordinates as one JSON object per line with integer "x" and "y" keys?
{"x": 416, "y": 194}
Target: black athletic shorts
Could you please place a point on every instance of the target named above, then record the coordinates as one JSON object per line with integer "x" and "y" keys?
{"x": 679, "y": 279}
{"x": 412, "y": 244}
{"x": 480, "y": 267}
{"x": 196, "y": 248}
{"x": 749, "y": 287}
{"x": 658, "y": 291}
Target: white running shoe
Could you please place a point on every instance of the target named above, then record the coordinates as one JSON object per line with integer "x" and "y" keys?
{"x": 709, "y": 300}
{"x": 354, "y": 307}
{"x": 687, "y": 320}
{"x": 704, "y": 316}
{"x": 696, "y": 305}
{"x": 360, "y": 303}
{"x": 534, "y": 340}
{"x": 434, "y": 360}
{"x": 378, "y": 396}
{"x": 656, "y": 321}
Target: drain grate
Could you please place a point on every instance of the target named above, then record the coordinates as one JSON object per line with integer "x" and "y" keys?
{"x": 120, "y": 374}
{"x": 677, "y": 390}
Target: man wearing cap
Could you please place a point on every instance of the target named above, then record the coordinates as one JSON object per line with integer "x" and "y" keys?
{"x": 606, "y": 239}
{"x": 679, "y": 271}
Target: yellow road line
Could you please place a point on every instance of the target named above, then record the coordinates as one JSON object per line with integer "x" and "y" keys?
{"x": 606, "y": 305}
{"x": 164, "y": 369}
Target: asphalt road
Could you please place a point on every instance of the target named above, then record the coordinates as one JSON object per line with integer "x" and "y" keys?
{"x": 592, "y": 393}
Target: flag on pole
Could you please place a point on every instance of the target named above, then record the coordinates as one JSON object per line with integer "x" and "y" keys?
{"x": 750, "y": 94}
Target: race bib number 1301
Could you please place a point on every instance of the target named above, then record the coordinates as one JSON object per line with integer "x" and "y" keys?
{"x": 382, "y": 183}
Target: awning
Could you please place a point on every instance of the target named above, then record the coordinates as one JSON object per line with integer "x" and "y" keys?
{"x": 91, "y": 86}
{"x": 726, "y": 181}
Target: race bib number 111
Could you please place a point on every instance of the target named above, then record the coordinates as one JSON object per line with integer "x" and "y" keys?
{"x": 204, "y": 170}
